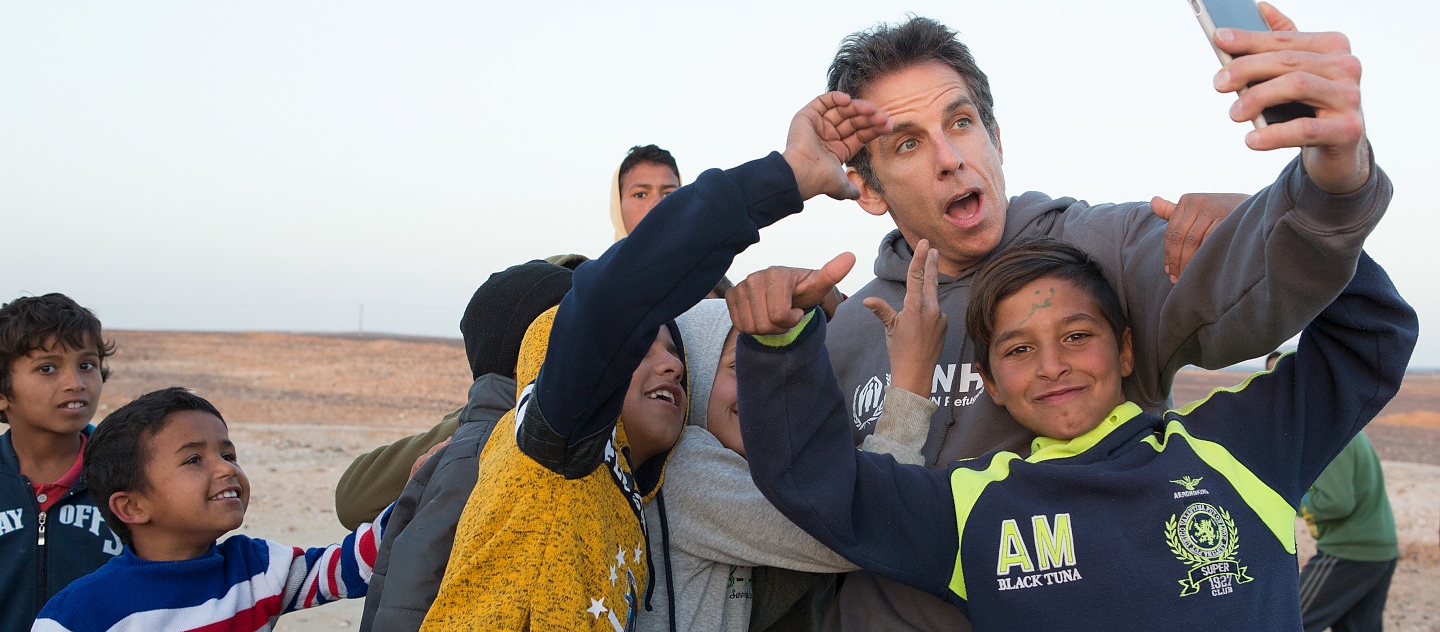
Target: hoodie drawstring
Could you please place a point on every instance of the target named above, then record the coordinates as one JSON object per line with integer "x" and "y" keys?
{"x": 669, "y": 574}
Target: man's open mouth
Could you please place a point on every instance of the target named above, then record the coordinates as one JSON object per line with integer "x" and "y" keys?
{"x": 963, "y": 207}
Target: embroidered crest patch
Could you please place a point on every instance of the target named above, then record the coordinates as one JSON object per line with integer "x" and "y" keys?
{"x": 1205, "y": 538}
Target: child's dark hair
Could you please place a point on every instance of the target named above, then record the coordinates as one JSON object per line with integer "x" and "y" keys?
{"x": 646, "y": 153}
{"x": 30, "y": 322}
{"x": 1028, "y": 259}
{"x": 116, "y": 454}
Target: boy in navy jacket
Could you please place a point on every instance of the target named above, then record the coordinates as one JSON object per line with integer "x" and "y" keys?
{"x": 1119, "y": 519}
{"x": 52, "y": 369}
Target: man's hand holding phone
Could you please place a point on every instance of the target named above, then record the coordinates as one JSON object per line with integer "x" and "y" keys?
{"x": 1317, "y": 69}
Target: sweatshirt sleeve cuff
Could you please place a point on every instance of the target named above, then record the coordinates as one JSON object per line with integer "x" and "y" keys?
{"x": 789, "y": 337}
{"x": 769, "y": 187}
{"x": 1358, "y": 210}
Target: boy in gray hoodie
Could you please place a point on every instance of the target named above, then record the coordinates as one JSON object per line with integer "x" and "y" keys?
{"x": 710, "y": 526}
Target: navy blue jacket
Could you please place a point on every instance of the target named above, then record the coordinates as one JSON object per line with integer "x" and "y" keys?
{"x": 1185, "y": 519}
{"x": 618, "y": 302}
{"x": 77, "y": 541}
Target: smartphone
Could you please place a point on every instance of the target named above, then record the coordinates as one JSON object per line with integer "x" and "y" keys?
{"x": 1243, "y": 14}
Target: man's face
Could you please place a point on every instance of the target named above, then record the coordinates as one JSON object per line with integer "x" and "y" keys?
{"x": 53, "y": 389}
{"x": 939, "y": 172}
{"x": 1054, "y": 361}
{"x": 654, "y": 408}
{"x": 196, "y": 490}
{"x": 641, "y": 188}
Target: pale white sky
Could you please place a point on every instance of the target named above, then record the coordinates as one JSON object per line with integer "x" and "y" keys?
{"x": 275, "y": 165}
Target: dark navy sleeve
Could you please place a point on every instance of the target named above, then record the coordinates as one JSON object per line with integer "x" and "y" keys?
{"x": 1349, "y": 363}
{"x": 618, "y": 302}
{"x": 893, "y": 519}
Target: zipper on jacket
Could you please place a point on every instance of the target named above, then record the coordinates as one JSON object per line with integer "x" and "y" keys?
{"x": 41, "y": 565}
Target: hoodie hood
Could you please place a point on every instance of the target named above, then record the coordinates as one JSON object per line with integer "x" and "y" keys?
{"x": 704, "y": 329}
{"x": 616, "y": 219}
{"x": 1030, "y": 208}
{"x": 648, "y": 475}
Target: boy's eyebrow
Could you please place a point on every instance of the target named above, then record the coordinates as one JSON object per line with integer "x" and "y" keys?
{"x": 200, "y": 444}
{"x": 1071, "y": 319}
{"x": 53, "y": 353}
{"x": 1005, "y": 336}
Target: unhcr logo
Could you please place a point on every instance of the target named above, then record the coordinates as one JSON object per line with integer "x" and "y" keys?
{"x": 868, "y": 402}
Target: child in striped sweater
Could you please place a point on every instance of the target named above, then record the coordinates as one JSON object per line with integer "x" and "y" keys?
{"x": 169, "y": 482}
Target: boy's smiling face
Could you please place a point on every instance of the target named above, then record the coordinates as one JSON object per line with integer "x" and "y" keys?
{"x": 195, "y": 489}
{"x": 54, "y": 389}
{"x": 722, "y": 416}
{"x": 654, "y": 408}
{"x": 1054, "y": 361}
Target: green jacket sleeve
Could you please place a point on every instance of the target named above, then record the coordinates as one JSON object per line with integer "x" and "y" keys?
{"x": 375, "y": 479}
{"x": 1332, "y": 496}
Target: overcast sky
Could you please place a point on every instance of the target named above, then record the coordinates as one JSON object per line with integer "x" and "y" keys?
{"x": 277, "y": 165}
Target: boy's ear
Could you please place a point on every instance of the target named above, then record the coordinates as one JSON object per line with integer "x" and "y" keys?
{"x": 1127, "y": 355}
{"x": 129, "y": 508}
{"x": 995, "y": 394}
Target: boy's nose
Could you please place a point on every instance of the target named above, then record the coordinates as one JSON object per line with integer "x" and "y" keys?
{"x": 73, "y": 380}
{"x": 228, "y": 469}
{"x": 669, "y": 365}
{"x": 1052, "y": 363}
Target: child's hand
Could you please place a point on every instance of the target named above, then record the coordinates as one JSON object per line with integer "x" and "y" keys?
{"x": 825, "y": 134}
{"x": 915, "y": 335}
{"x": 1189, "y": 222}
{"x": 419, "y": 462}
{"x": 773, "y": 300}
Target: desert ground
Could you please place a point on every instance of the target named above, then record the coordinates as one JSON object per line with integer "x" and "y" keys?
{"x": 301, "y": 407}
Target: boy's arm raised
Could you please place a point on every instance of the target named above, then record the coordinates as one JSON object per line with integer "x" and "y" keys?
{"x": 914, "y": 338}
{"x": 897, "y": 520}
{"x": 673, "y": 258}
{"x": 339, "y": 571}
{"x": 1349, "y": 363}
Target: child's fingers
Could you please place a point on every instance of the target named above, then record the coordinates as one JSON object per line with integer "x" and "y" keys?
{"x": 820, "y": 282}
{"x": 881, "y": 310}
{"x": 932, "y": 281}
{"x": 916, "y": 276}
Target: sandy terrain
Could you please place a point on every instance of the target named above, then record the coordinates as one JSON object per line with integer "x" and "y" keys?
{"x": 301, "y": 407}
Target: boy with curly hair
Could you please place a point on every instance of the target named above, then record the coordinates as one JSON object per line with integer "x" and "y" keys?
{"x": 52, "y": 367}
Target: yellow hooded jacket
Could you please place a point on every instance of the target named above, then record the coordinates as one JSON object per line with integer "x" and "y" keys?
{"x": 536, "y": 551}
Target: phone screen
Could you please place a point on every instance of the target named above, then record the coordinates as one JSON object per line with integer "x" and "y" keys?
{"x": 1243, "y": 14}
{"x": 1236, "y": 14}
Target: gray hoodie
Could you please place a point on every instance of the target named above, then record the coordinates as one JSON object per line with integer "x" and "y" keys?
{"x": 1265, "y": 272}
{"x": 709, "y": 526}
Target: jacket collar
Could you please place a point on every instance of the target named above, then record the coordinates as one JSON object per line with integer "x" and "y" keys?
{"x": 1046, "y": 448}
